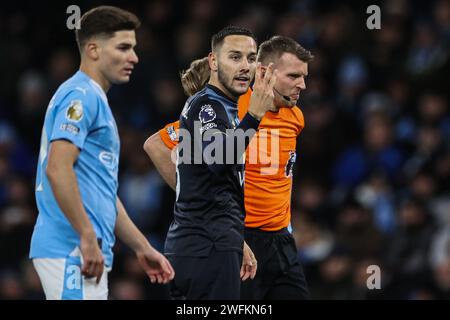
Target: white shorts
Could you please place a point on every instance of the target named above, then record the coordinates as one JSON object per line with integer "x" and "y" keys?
{"x": 61, "y": 279}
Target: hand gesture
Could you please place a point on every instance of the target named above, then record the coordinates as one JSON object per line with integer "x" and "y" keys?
{"x": 262, "y": 97}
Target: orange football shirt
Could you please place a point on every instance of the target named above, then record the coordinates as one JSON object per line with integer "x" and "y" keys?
{"x": 270, "y": 157}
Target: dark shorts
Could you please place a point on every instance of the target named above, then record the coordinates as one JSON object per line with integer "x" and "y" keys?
{"x": 216, "y": 277}
{"x": 279, "y": 275}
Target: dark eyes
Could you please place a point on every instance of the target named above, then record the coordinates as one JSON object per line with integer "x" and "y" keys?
{"x": 124, "y": 48}
{"x": 237, "y": 58}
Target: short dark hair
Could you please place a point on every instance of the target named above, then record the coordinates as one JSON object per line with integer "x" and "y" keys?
{"x": 218, "y": 38}
{"x": 277, "y": 45}
{"x": 104, "y": 20}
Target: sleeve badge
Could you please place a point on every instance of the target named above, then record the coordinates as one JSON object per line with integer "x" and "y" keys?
{"x": 75, "y": 111}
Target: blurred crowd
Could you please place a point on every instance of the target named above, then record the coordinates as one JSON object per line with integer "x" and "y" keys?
{"x": 372, "y": 178}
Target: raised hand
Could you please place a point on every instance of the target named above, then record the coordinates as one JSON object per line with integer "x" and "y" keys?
{"x": 262, "y": 97}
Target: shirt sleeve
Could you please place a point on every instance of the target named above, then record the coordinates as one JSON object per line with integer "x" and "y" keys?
{"x": 75, "y": 114}
{"x": 169, "y": 134}
{"x": 219, "y": 139}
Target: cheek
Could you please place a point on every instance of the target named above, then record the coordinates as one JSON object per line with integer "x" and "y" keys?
{"x": 284, "y": 83}
{"x": 252, "y": 70}
{"x": 226, "y": 70}
{"x": 113, "y": 58}
{"x": 117, "y": 60}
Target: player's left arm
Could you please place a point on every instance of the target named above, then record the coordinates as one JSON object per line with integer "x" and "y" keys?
{"x": 156, "y": 266}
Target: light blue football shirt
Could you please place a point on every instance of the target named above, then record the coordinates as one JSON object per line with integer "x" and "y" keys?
{"x": 79, "y": 113}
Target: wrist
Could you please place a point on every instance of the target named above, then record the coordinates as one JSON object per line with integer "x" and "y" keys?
{"x": 88, "y": 235}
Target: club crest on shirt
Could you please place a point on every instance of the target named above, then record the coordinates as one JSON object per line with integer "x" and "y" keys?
{"x": 290, "y": 163}
{"x": 207, "y": 114}
{"x": 74, "y": 111}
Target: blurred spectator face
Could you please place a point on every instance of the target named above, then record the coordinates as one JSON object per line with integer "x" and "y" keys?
{"x": 429, "y": 139}
{"x": 335, "y": 268}
{"x": 290, "y": 79}
{"x": 423, "y": 186}
{"x": 235, "y": 63}
{"x": 432, "y": 107}
{"x": 411, "y": 215}
{"x": 378, "y": 133}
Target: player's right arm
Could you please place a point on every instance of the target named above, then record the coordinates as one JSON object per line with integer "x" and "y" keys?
{"x": 61, "y": 159}
{"x": 74, "y": 116}
{"x": 159, "y": 148}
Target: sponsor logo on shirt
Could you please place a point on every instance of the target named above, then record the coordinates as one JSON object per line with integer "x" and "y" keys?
{"x": 70, "y": 128}
{"x": 107, "y": 158}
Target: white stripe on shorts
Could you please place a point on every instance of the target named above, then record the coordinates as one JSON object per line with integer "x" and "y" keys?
{"x": 61, "y": 279}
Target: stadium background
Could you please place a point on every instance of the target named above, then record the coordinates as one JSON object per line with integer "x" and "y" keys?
{"x": 373, "y": 166}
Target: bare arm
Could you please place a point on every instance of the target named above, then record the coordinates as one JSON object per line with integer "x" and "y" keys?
{"x": 161, "y": 158}
{"x": 154, "y": 263}
{"x": 63, "y": 181}
{"x": 127, "y": 231}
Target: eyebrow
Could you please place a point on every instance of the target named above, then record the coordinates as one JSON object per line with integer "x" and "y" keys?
{"x": 240, "y": 52}
{"x": 126, "y": 44}
{"x": 294, "y": 74}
